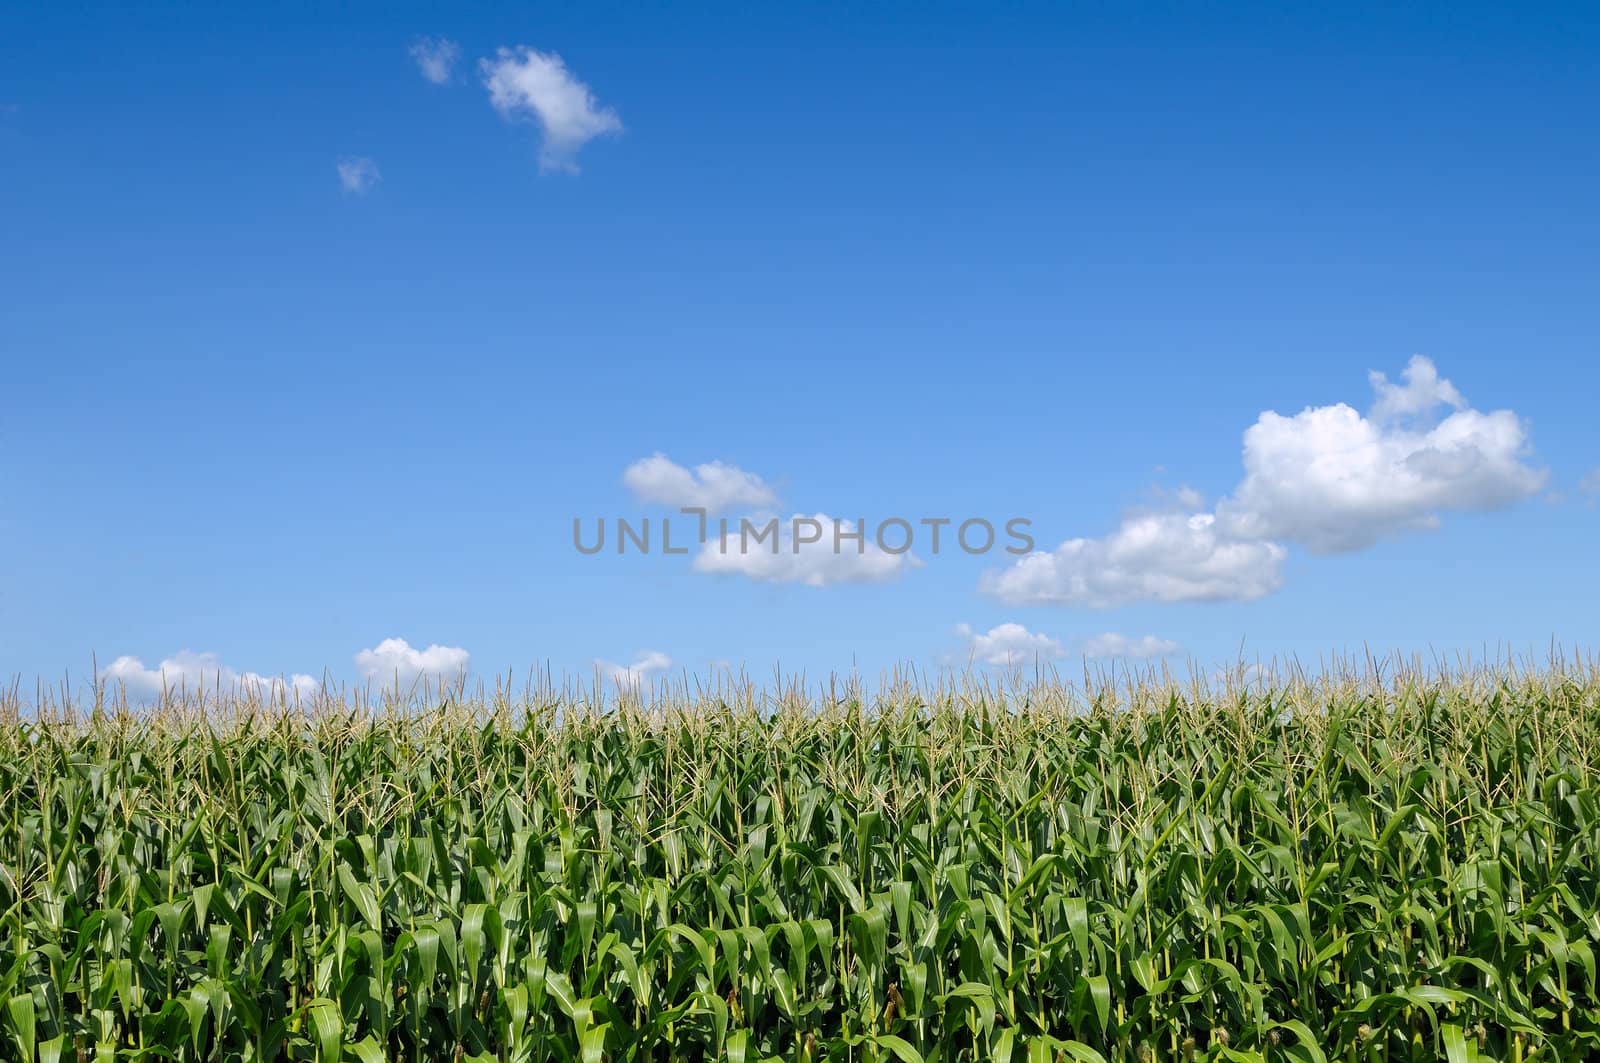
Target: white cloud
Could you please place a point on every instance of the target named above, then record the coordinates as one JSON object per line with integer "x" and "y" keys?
{"x": 1337, "y": 481}
{"x": 1327, "y": 478}
{"x": 532, "y": 85}
{"x": 1164, "y": 557}
{"x": 1189, "y": 498}
{"x": 644, "y": 667}
{"x": 394, "y": 661}
{"x": 823, "y": 552}
{"x": 1111, "y": 644}
{"x": 436, "y": 58}
{"x": 1423, "y": 392}
{"x": 712, "y": 486}
{"x": 1007, "y": 645}
{"x": 357, "y": 175}
{"x": 1590, "y": 484}
{"x": 190, "y": 671}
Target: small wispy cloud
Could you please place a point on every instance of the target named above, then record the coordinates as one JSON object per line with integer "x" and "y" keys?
{"x": 436, "y": 57}
{"x": 357, "y": 174}
{"x": 711, "y": 486}
{"x": 645, "y": 666}
{"x": 1111, "y": 644}
{"x": 1590, "y": 484}
{"x": 529, "y": 85}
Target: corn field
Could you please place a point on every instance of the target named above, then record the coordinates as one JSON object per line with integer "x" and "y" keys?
{"x": 1399, "y": 867}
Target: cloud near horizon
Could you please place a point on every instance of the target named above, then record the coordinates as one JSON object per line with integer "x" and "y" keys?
{"x": 1327, "y": 478}
{"x": 1007, "y": 645}
{"x": 394, "y": 662}
{"x": 646, "y": 665}
{"x": 1010, "y": 645}
{"x": 189, "y": 672}
{"x": 1111, "y": 644}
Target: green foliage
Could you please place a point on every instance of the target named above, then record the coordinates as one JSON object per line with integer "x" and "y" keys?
{"x": 1339, "y": 871}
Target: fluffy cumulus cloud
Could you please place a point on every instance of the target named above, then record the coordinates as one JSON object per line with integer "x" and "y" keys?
{"x": 645, "y": 667}
{"x": 1163, "y": 557}
{"x": 712, "y": 486}
{"x": 1590, "y": 484}
{"x": 814, "y": 550}
{"x": 436, "y": 58}
{"x": 1111, "y": 644}
{"x": 190, "y": 672}
{"x": 1334, "y": 480}
{"x": 529, "y": 85}
{"x": 357, "y": 175}
{"x": 1008, "y": 645}
{"x": 1328, "y": 478}
{"x": 396, "y": 662}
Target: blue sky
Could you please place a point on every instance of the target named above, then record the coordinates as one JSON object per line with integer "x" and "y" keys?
{"x": 986, "y": 261}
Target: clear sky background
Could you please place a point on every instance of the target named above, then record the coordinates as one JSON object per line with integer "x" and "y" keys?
{"x": 304, "y": 350}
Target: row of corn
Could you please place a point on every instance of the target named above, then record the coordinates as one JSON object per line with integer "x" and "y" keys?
{"x": 1348, "y": 870}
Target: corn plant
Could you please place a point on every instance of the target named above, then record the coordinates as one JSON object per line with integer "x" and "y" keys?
{"x": 1368, "y": 868}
